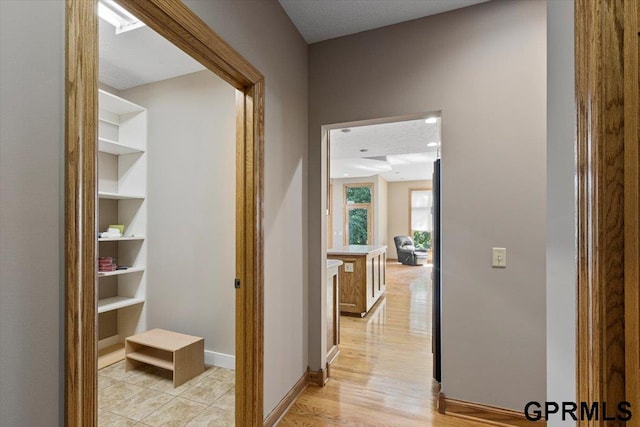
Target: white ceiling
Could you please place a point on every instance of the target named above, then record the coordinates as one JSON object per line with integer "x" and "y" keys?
{"x": 141, "y": 56}
{"x": 397, "y": 151}
{"x": 138, "y": 57}
{"x": 319, "y": 20}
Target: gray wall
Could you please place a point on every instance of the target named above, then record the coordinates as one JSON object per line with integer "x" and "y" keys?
{"x": 32, "y": 118}
{"x": 31, "y": 222}
{"x": 561, "y": 207}
{"x": 485, "y": 68}
{"x": 262, "y": 32}
{"x": 191, "y": 194}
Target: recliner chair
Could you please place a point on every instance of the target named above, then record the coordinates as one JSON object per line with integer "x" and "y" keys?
{"x": 407, "y": 252}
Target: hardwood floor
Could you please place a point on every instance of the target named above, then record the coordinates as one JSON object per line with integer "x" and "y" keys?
{"x": 382, "y": 376}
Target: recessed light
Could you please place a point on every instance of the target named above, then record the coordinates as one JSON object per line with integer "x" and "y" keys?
{"x": 431, "y": 120}
{"x": 364, "y": 150}
{"x": 433, "y": 144}
{"x": 346, "y": 130}
{"x": 345, "y": 174}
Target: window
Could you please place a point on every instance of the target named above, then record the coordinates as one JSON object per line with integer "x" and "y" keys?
{"x": 421, "y": 201}
{"x": 358, "y": 214}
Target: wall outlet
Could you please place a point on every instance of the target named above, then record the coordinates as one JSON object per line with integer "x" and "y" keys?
{"x": 499, "y": 258}
{"x": 348, "y": 267}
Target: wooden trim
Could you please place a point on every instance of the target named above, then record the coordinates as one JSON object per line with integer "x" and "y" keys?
{"x": 174, "y": 21}
{"x": 318, "y": 378}
{"x": 276, "y": 415}
{"x": 485, "y": 413}
{"x": 632, "y": 201}
{"x": 601, "y": 191}
{"x": 81, "y": 131}
{"x": 177, "y": 23}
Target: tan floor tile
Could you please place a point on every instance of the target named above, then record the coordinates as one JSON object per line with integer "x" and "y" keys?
{"x": 177, "y": 413}
{"x": 227, "y": 401}
{"x": 112, "y": 395}
{"x": 165, "y": 385}
{"x": 223, "y": 374}
{"x": 214, "y": 417}
{"x": 208, "y": 390}
{"x": 145, "y": 377}
{"x": 141, "y": 404}
{"x": 115, "y": 371}
{"x": 108, "y": 419}
{"x": 104, "y": 382}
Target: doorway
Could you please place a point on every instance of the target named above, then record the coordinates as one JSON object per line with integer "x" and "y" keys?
{"x": 199, "y": 41}
{"x": 379, "y": 180}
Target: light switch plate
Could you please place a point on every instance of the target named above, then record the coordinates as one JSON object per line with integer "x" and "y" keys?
{"x": 348, "y": 267}
{"x": 499, "y": 258}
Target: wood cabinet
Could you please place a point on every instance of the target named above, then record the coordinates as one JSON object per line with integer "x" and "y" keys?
{"x": 181, "y": 354}
{"x": 333, "y": 309}
{"x": 362, "y": 276}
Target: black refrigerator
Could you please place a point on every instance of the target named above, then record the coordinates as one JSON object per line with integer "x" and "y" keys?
{"x": 436, "y": 340}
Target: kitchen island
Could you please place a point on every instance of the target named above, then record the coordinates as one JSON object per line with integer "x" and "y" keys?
{"x": 361, "y": 276}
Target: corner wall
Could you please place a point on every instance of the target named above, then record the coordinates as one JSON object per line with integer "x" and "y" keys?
{"x": 262, "y": 32}
{"x": 484, "y": 67}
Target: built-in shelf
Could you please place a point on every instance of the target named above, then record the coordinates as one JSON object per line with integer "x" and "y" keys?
{"x": 119, "y": 272}
{"x": 119, "y": 196}
{"x": 152, "y": 356}
{"x": 114, "y": 303}
{"x": 117, "y": 148}
{"x": 116, "y": 105}
{"x": 120, "y": 239}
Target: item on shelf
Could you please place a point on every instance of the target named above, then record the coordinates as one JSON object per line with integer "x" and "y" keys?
{"x": 106, "y": 263}
{"x": 122, "y": 267}
{"x": 112, "y": 232}
{"x": 118, "y": 227}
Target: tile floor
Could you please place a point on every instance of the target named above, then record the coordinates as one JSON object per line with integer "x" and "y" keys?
{"x": 146, "y": 397}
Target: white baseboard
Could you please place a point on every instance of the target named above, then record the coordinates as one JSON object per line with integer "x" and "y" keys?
{"x": 219, "y": 359}
{"x": 109, "y": 341}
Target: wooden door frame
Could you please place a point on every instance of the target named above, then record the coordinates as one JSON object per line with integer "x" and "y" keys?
{"x": 608, "y": 165}
{"x": 177, "y": 23}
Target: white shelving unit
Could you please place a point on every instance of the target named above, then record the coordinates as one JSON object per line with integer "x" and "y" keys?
{"x": 119, "y": 272}
{"x": 122, "y": 189}
{"x": 115, "y": 303}
{"x": 120, "y": 239}
{"x": 118, "y": 196}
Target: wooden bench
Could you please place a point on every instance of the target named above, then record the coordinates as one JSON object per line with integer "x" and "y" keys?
{"x": 182, "y": 354}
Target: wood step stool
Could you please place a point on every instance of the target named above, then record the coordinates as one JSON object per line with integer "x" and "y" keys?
{"x": 182, "y": 354}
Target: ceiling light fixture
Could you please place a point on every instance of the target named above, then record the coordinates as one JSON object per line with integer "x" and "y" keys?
{"x": 345, "y": 174}
{"x": 118, "y": 16}
{"x": 433, "y": 144}
{"x": 431, "y": 120}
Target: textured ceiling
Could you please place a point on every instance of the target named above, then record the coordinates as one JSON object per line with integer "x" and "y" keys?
{"x": 397, "y": 151}
{"x": 139, "y": 57}
{"x": 319, "y": 20}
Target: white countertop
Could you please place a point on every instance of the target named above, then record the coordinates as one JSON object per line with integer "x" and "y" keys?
{"x": 334, "y": 263}
{"x": 355, "y": 249}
